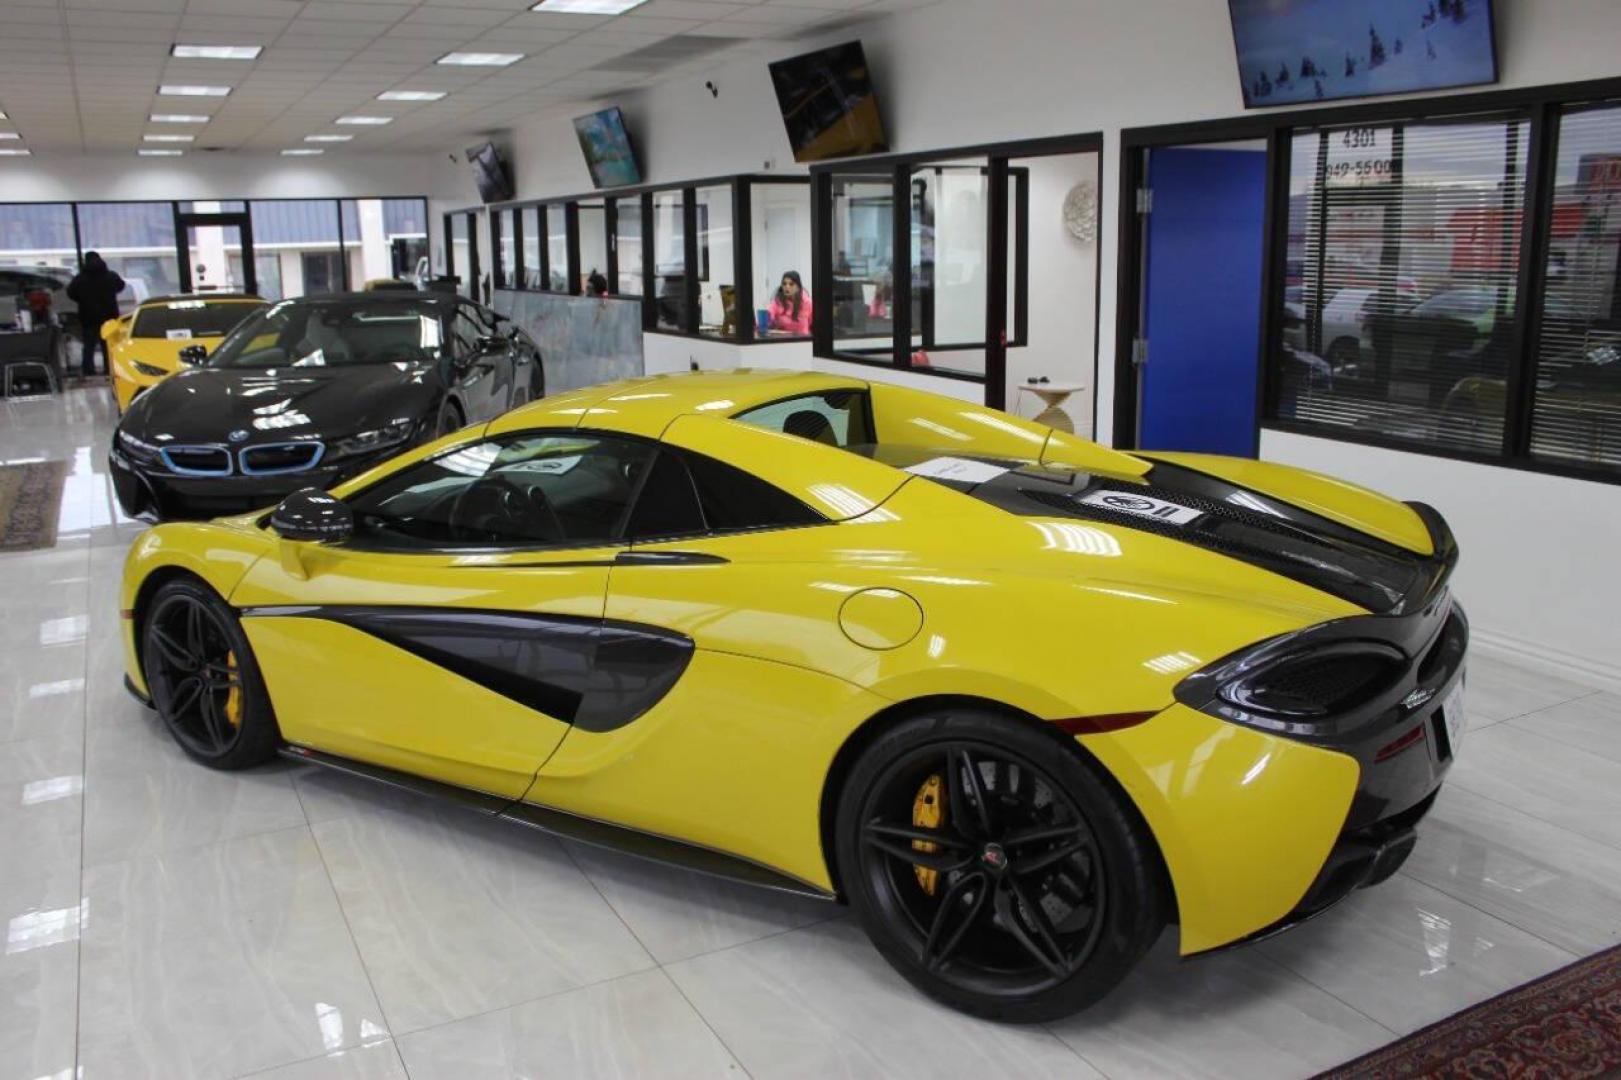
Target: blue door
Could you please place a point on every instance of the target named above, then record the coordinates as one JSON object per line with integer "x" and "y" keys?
{"x": 1202, "y": 301}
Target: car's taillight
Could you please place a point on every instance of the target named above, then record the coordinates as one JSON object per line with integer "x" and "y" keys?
{"x": 1320, "y": 682}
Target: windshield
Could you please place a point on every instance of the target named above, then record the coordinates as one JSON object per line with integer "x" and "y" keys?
{"x": 299, "y": 333}
{"x": 181, "y": 320}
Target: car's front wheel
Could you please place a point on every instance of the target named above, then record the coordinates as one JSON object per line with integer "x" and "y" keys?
{"x": 202, "y": 677}
{"x": 999, "y": 870}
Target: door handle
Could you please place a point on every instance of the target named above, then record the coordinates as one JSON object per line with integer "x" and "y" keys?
{"x": 667, "y": 558}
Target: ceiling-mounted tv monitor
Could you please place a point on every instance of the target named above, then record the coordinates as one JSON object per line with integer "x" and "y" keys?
{"x": 606, "y": 146}
{"x": 828, "y": 103}
{"x": 1292, "y": 51}
{"x": 490, "y": 173}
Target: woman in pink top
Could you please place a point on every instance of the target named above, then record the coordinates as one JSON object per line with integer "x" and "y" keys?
{"x": 791, "y": 306}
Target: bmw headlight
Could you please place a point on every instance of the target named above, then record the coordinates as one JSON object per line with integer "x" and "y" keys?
{"x": 135, "y": 447}
{"x": 149, "y": 369}
{"x": 370, "y": 442}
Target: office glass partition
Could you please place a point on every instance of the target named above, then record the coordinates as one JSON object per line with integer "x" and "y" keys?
{"x": 461, "y": 257}
{"x": 671, "y": 309}
{"x": 593, "y": 218}
{"x": 529, "y": 247}
{"x": 137, "y": 240}
{"x": 717, "y": 288}
{"x": 506, "y": 249}
{"x": 780, "y": 244}
{"x": 949, "y": 260}
{"x": 863, "y": 222}
{"x": 557, "y": 248}
{"x": 628, "y": 245}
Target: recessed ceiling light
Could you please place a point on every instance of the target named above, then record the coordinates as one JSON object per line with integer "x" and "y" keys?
{"x": 168, "y": 138}
{"x": 183, "y": 90}
{"x": 588, "y": 7}
{"x": 368, "y": 121}
{"x": 9, "y": 135}
{"x": 327, "y": 138}
{"x": 14, "y": 152}
{"x": 480, "y": 59}
{"x": 160, "y": 153}
{"x": 410, "y": 95}
{"x": 2, "y": 116}
{"x": 302, "y": 151}
{"x": 216, "y": 52}
{"x": 177, "y": 118}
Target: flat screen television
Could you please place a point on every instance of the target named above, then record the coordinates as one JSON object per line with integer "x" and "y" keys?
{"x": 606, "y": 146}
{"x": 490, "y": 173}
{"x": 828, "y": 104}
{"x": 1292, "y": 51}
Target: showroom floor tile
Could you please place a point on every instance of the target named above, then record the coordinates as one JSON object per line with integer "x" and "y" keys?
{"x": 166, "y": 921}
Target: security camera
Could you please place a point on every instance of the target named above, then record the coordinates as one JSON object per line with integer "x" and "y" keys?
{"x": 713, "y": 92}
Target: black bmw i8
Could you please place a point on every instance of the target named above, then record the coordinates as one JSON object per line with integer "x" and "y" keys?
{"x": 311, "y": 391}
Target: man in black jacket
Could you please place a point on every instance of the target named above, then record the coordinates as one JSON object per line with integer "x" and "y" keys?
{"x": 95, "y": 289}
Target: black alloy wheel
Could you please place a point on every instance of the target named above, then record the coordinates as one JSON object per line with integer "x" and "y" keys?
{"x": 202, "y": 677}
{"x": 450, "y": 419}
{"x": 1009, "y": 888}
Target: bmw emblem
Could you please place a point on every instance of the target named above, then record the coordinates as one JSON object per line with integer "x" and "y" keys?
{"x": 239, "y": 435}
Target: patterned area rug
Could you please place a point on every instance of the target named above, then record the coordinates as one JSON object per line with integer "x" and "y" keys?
{"x": 30, "y": 502}
{"x": 1563, "y": 1026}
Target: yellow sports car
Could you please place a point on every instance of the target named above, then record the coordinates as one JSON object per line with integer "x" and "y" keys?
{"x": 1018, "y": 699}
{"x": 168, "y": 333}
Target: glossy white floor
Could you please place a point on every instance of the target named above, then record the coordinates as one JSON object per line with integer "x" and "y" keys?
{"x": 167, "y": 921}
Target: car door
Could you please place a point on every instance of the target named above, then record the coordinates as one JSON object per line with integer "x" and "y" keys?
{"x": 453, "y": 635}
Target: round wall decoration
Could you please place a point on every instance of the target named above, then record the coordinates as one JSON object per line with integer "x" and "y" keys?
{"x": 1081, "y": 211}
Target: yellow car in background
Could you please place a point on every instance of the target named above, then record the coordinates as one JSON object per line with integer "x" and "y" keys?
{"x": 163, "y": 335}
{"x": 1018, "y": 699}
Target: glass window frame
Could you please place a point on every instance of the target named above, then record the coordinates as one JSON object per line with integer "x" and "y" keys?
{"x": 609, "y": 200}
{"x": 1007, "y": 231}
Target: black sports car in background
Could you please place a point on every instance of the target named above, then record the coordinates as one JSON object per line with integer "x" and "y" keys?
{"x": 311, "y": 391}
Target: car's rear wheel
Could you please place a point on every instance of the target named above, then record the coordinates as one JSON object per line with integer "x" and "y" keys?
{"x": 450, "y": 419}
{"x": 996, "y": 868}
{"x": 203, "y": 679}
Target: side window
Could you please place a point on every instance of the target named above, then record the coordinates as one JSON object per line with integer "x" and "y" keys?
{"x": 525, "y": 491}
{"x": 835, "y": 417}
{"x": 668, "y": 504}
{"x": 732, "y": 499}
{"x": 464, "y": 333}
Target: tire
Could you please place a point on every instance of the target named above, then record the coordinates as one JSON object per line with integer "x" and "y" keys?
{"x": 451, "y": 418}
{"x": 970, "y": 936}
{"x": 190, "y": 636}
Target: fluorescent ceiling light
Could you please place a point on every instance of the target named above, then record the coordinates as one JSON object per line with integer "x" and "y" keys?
{"x": 183, "y": 90}
{"x": 216, "y": 52}
{"x": 588, "y": 7}
{"x": 303, "y": 151}
{"x": 367, "y": 121}
{"x": 14, "y": 152}
{"x": 404, "y": 95}
{"x": 2, "y": 116}
{"x": 177, "y": 118}
{"x": 168, "y": 138}
{"x": 480, "y": 59}
{"x": 159, "y": 153}
{"x": 9, "y": 135}
{"x": 327, "y": 138}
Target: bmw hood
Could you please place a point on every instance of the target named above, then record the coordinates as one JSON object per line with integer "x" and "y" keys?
{"x": 247, "y": 406}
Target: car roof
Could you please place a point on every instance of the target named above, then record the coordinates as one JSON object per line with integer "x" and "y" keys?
{"x": 207, "y": 298}
{"x": 647, "y": 405}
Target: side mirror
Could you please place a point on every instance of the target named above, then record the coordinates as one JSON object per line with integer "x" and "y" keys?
{"x": 111, "y": 329}
{"x": 311, "y": 514}
{"x": 194, "y": 354}
{"x": 490, "y": 343}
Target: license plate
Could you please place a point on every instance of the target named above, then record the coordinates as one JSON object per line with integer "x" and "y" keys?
{"x": 1452, "y": 711}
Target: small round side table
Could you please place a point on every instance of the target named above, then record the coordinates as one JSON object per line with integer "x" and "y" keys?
{"x": 1053, "y": 395}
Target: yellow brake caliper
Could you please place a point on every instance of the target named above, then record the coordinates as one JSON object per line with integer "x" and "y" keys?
{"x": 233, "y": 699}
{"x": 928, "y": 812}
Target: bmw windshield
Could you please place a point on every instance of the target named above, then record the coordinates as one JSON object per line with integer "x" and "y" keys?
{"x": 335, "y": 333}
